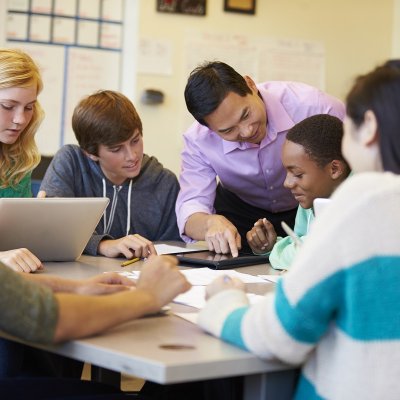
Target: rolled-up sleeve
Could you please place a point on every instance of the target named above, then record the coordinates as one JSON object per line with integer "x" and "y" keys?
{"x": 28, "y": 311}
{"x": 197, "y": 185}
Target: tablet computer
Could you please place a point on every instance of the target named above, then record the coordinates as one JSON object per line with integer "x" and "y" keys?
{"x": 320, "y": 204}
{"x": 213, "y": 260}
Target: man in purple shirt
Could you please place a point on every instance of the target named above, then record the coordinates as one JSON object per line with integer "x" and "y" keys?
{"x": 237, "y": 140}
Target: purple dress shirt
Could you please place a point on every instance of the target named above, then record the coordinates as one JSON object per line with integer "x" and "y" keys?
{"x": 253, "y": 172}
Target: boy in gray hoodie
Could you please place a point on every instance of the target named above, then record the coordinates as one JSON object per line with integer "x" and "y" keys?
{"x": 109, "y": 162}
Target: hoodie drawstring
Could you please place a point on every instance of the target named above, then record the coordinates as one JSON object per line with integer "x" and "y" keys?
{"x": 105, "y": 211}
{"x": 128, "y": 211}
{"x": 114, "y": 205}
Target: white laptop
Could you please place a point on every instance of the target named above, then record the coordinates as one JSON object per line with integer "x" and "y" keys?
{"x": 54, "y": 229}
{"x": 319, "y": 205}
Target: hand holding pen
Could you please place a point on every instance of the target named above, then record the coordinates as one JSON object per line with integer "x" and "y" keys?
{"x": 224, "y": 282}
{"x": 262, "y": 237}
{"x": 296, "y": 240}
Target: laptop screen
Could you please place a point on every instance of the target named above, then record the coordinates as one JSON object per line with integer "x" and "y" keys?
{"x": 54, "y": 229}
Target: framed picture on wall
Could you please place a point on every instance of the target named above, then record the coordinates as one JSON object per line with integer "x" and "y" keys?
{"x": 192, "y": 7}
{"x": 240, "y": 6}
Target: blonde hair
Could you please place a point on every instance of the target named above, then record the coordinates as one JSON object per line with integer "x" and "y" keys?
{"x": 17, "y": 69}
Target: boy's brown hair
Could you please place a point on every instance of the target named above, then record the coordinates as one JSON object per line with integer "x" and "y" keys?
{"x": 105, "y": 117}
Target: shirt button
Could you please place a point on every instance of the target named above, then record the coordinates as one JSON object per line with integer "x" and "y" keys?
{"x": 274, "y": 201}
{"x": 271, "y": 188}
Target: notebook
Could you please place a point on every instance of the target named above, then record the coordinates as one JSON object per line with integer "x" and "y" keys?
{"x": 219, "y": 261}
{"x": 54, "y": 229}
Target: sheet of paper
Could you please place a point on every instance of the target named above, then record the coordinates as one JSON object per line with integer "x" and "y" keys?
{"x": 155, "y": 56}
{"x": 271, "y": 278}
{"x": 130, "y": 274}
{"x": 195, "y": 297}
{"x": 199, "y": 278}
{"x": 191, "y": 317}
{"x": 204, "y": 276}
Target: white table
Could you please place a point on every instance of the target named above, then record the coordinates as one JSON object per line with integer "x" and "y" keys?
{"x": 164, "y": 349}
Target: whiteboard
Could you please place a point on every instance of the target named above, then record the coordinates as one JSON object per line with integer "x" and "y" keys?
{"x": 78, "y": 50}
{"x": 262, "y": 58}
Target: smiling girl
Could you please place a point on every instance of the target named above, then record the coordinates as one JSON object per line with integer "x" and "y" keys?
{"x": 20, "y": 117}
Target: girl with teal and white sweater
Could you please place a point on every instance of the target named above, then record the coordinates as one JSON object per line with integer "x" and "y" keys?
{"x": 336, "y": 312}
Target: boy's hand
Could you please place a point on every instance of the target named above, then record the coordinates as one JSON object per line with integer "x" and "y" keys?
{"x": 130, "y": 246}
{"x": 262, "y": 237}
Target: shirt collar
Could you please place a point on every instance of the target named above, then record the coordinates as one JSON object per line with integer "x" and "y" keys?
{"x": 278, "y": 118}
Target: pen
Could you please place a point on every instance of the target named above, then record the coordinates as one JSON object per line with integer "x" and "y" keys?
{"x": 227, "y": 278}
{"x": 296, "y": 240}
{"x": 129, "y": 262}
{"x": 282, "y": 271}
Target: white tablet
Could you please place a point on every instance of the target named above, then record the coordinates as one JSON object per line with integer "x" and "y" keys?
{"x": 54, "y": 229}
{"x": 319, "y": 205}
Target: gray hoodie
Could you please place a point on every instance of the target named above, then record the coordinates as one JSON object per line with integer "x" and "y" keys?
{"x": 143, "y": 205}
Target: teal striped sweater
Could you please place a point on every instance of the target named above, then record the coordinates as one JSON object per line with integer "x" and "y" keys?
{"x": 337, "y": 311}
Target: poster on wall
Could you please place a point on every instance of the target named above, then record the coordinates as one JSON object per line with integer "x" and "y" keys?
{"x": 3, "y": 13}
{"x": 192, "y": 7}
{"x": 262, "y": 58}
{"x": 240, "y": 6}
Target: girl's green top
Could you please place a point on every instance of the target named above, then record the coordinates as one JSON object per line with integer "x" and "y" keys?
{"x": 23, "y": 189}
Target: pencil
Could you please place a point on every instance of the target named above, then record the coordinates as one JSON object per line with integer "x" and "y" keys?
{"x": 296, "y": 240}
{"x": 129, "y": 262}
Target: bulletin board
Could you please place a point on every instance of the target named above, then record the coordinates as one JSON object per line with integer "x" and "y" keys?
{"x": 78, "y": 46}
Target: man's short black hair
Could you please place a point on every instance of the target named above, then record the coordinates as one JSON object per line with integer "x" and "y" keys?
{"x": 209, "y": 84}
{"x": 321, "y": 137}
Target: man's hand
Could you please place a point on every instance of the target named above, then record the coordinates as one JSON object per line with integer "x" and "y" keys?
{"x": 21, "y": 260}
{"x": 130, "y": 246}
{"x": 222, "y": 236}
{"x": 262, "y": 237}
{"x": 161, "y": 279}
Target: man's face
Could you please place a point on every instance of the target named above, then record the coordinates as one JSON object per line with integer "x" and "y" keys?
{"x": 240, "y": 119}
{"x": 121, "y": 161}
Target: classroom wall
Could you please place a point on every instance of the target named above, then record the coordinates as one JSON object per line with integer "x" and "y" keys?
{"x": 356, "y": 34}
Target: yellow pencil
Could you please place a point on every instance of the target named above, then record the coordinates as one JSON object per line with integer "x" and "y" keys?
{"x": 131, "y": 261}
